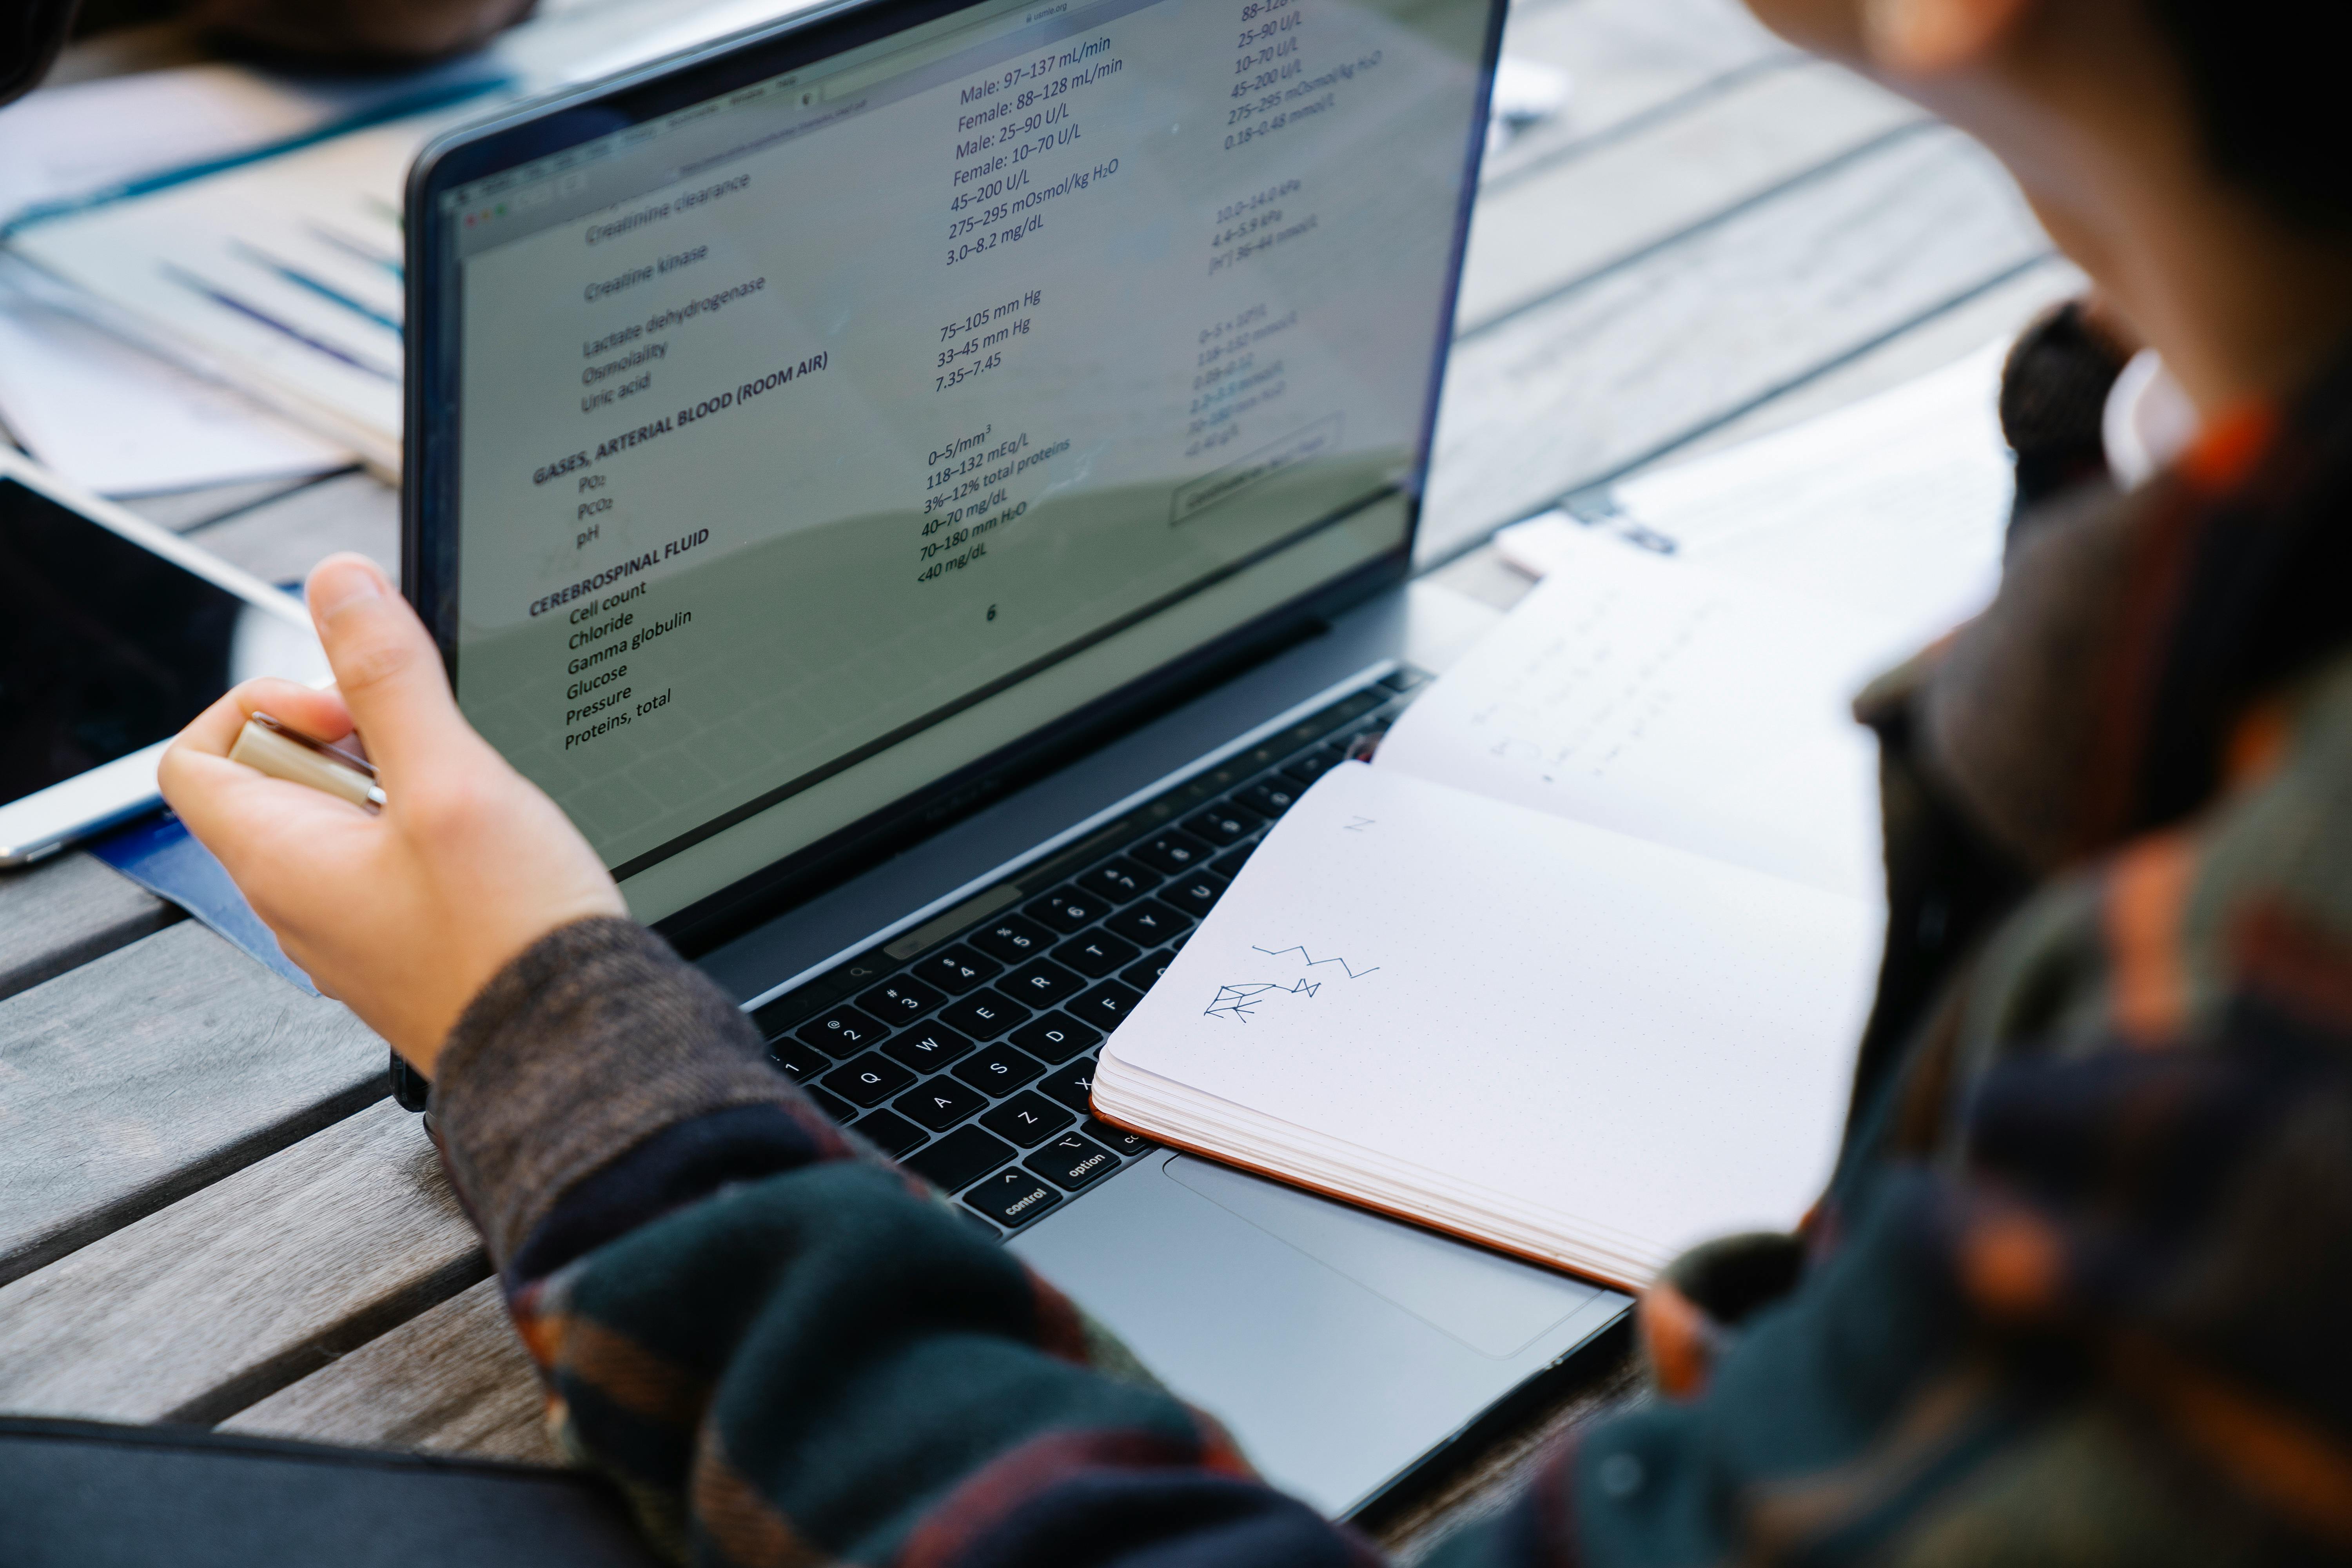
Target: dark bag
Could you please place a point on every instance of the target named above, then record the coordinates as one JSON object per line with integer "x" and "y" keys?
{"x": 84, "y": 1494}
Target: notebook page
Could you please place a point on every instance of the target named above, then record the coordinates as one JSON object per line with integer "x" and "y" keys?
{"x": 1650, "y": 1042}
{"x": 1658, "y": 698}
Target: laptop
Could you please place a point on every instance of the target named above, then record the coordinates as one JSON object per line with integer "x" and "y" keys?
{"x": 925, "y": 485}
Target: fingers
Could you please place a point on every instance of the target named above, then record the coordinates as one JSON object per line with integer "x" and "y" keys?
{"x": 386, "y": 668}
{"x": 314, "y": 713}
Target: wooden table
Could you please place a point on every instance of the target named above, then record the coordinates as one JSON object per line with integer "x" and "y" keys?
{"x": 211, "y": 1213}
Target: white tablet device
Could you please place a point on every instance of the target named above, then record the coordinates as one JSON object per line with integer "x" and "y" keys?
{"x": 113, "y": 633}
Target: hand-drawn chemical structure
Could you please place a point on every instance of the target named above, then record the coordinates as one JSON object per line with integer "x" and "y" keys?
{"x": 1242, "y": 1000}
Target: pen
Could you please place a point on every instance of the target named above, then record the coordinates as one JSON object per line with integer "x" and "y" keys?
{"x": 269, "y": 746}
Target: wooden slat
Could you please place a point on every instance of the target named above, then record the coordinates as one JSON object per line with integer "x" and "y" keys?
{"x": 225, "y": 1297}
{"x": 66, "y": 911}
{"x": 151, "y": 1071}
{"x": 279, "y": 540}
{"x": 1997, "y": 313}
{"x": 1579, "y": 387}
{"x": 452, "y": 1381}
{"x": 1633, "y": 63}
{"x": 1572, "y": 220}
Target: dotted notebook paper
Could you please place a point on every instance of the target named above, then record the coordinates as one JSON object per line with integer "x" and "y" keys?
{"x": 1565, "y": 1040}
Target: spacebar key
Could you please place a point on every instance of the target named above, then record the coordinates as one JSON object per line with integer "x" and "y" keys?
{"x": 961, "y": 1158}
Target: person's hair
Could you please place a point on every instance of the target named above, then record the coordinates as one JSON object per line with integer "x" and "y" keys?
{"x": 2267, "y": 80}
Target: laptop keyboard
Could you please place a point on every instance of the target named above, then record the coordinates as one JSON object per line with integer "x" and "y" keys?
{"x": 968, "y": 1052}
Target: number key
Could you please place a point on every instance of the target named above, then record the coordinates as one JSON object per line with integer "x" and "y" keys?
{"x": 1222, "y": 824}
{"x": 841, "y": 1031}
{"x": 1314, "y": 765}
{"x": 958, "y": 970}
{"x": 1012, "y": 939}
{"x": 900, "y": 1001}
{"x": 1119, "y": 881}
{"x": 1173, "y": 852}
{"x": 1271, "y": 798}
{"x": 801, "y": 1062}
{"x": 1068, "y": 909}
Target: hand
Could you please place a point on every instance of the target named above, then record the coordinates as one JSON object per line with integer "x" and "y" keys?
{"x": 405, "y": 915}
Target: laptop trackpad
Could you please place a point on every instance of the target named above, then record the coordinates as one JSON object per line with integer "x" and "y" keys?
{"x": 1496, "y": 1306}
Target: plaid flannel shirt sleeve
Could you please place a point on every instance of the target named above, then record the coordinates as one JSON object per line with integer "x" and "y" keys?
{"x": 783, "y": 1347}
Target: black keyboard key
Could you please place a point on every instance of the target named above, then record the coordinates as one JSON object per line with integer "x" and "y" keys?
{"x": 1314, "y": 765}
{"x": 984, "y": 1015}
{"x": 891, "y": 1132}
{"x": 1000, "y": 1069}
{"x": 1072, "y": 1161}
{"x": 929, "y": 1048}
{"x": 1223, "y": 825}
{"x": 841, "y": 1032}
{"x": 899, "y": 1003}
{"x": 1013, "y": 1197}
{"x": 1119, "y": 881}
{"x": 1012, "y": 939}
{"x": 1118, "y": 1140}
{"x": 833, "y": 1105}
{"x": 1055, "y": 1037}
{"x": 958, "y": 970}
{"x": 939, "y": 1104}
{"x": 1097, "y": 953}
{"x": 1041, "y": 984}
{"x": 1173, "y": 852}
{"x": 961, "y": 1158}
{"x": 979, "y": 1226}
{"x": 1149, "y": 923}
{"x": 1073, "y": 1085}
{"x": 1069, "y": 909}
{"x": 1106, "y": 1007}
{"x": 1229, "y": 864}
{"x": 1026, "y": 1120}
{"x": 869, "y": 1079}
{"x": 800, "y": 1062}
{"x": 1271, "y": 798}
{"x": 1195, "y": 895}
{"x": 1143, "y": 977}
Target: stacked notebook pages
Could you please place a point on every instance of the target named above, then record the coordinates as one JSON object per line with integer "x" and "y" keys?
{"x": 1575, "y": 967}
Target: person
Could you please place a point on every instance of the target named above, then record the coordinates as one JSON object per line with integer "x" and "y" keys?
{"x": 343, "y": 35}
{"x": 2076, "y": 1291}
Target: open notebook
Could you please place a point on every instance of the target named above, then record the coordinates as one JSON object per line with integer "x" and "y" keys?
{"x": 1575, "y": 967}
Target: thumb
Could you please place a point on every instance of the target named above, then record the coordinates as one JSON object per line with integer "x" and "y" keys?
{"x": 386, "y": 666}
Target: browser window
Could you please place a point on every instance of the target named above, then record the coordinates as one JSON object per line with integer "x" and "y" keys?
{"x": 823, "y": 437}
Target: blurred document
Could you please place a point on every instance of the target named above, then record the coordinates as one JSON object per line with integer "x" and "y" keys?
{"x": 123, "y": 422}
{"x": 1674, "y": 703}
{"x": 1897, "y": 506}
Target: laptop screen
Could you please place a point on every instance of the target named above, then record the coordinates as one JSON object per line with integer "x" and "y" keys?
{"x": 823, "y": 437}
